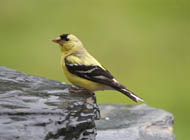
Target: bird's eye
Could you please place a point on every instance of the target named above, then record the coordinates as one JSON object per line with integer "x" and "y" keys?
{"x": 64, "y": 37}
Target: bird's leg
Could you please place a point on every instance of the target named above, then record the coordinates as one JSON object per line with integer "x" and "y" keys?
{"x": 79, "y": 90}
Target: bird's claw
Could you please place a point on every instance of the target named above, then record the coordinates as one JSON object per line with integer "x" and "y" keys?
{"x": 79, "y": 90}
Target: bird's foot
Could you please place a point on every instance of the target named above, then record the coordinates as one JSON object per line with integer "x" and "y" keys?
{"x": 79, "y": 90}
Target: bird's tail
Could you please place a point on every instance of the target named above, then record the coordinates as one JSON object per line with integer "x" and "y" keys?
{"x": 128, "y": 93}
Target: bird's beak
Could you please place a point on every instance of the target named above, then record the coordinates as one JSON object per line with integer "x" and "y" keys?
{"x": 57, "y": 40}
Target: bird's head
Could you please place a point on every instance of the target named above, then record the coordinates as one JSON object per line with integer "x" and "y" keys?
{"x": 68, "y": 42}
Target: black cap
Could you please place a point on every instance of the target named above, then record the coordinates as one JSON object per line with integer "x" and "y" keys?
{"x": 64, "y": 37}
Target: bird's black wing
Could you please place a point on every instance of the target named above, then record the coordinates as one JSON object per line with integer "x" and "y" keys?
{"x": 99, "y": 75}
{"x": 90, "y": 72}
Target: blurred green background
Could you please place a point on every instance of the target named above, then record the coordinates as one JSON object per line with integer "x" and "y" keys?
{"x": 145, "y": 44}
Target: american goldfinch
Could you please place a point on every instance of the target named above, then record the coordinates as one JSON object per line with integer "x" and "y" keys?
{"x": 84, "y": 71}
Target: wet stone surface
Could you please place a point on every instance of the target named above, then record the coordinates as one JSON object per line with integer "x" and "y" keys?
{"x": 36, "y": 108}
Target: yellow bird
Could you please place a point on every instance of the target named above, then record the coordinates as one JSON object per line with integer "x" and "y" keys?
{"x": 84, "y": 71}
